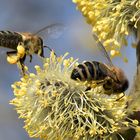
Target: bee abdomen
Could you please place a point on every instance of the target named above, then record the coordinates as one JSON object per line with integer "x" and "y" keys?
{"x": 88, "y": 71}
{"x": 83, "y": 72}
{"x": 10, "y": 39}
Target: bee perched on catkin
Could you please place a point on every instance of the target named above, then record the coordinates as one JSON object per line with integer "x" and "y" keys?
{"x": 56, "y": 107}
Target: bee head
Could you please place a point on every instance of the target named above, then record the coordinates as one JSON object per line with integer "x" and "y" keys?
{"x": 121, "y": 83}
{"x": 40, "y": 50}
{"x": 120, "y": 87}
{"x": 117, "y": 81}
{"x": 119, "y": 74}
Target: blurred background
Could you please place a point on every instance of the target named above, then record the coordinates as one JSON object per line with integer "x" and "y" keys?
{"x": 31, "y": 16}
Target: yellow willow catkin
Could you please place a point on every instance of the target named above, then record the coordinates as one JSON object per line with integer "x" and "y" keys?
{"x": 55, "y": 107}
{"x": 111, "y": 20}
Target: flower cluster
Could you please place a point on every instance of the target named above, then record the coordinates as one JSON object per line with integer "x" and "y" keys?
{"x": 55, "y": 107}
{"x": 112, "y": 20}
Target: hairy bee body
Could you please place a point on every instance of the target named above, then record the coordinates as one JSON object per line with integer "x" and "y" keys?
{"x": 89, "y": 70}
{"x": 26, "y": 43}
{"x": 10, "y": 39}
{"x": 112, "y": 78}
{"x": 22, "y": 44}
{"x": 32, "y": 43}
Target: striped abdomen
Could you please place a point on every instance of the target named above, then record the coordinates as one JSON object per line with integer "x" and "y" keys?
{"x": 10, "y": 39}
{"x": 90, "y": 70}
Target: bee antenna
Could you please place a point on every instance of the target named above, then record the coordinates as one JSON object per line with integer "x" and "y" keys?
{"x": 49, "y": 49}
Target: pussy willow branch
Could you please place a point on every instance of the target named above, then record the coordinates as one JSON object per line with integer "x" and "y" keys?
{"x": 138, "y": 49}
{"x": 135, "y": 92}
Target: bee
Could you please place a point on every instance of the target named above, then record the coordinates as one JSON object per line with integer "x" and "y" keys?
{"x": 26, "y": 43}
{"x": 112, "y": 78}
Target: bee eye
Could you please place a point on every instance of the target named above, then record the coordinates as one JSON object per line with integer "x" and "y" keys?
{"x": 26, "y": 42}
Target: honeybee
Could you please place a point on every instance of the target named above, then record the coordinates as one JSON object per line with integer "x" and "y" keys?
{"x": 26, "y": 43}
{"x": 111, "y": 77}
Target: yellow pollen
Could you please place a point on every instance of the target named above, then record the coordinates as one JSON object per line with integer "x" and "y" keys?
{"x": 136, "y": 122}
{"x": 20, "y": 51}
{"x": 138, "y": 129}
{"x": 12, "y": 59}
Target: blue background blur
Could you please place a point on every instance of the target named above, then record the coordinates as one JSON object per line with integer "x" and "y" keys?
{"x": 31, "y": 15}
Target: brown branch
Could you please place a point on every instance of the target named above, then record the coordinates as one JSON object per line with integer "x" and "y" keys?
{"x": 134, "y": 103}
{"x": 135, "y": 92}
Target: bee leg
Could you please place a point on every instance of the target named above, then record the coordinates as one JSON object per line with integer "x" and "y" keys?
{"x": 30, "y": 58}
{"x": 21, "y": 65}
{"x": 12, "y": 57}
{"x": 11, "y": 52}
{"x": 120, "y": 97}
{"x": 88, "y": 88}
{"x": 50, "y": 49}
{"x": 101, "y": 82}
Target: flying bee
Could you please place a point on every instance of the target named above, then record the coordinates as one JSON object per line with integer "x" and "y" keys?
{"x": 26, "y": 43}
{"x": 111, "y": 77}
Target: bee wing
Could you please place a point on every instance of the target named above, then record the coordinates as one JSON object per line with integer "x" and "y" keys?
{"x": 102, "y": 50}
{"x": 52, "y": 31}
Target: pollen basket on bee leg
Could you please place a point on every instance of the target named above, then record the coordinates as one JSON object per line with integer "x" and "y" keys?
{"x": 12, "y": 59}
{"x": 20, "y": 50}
